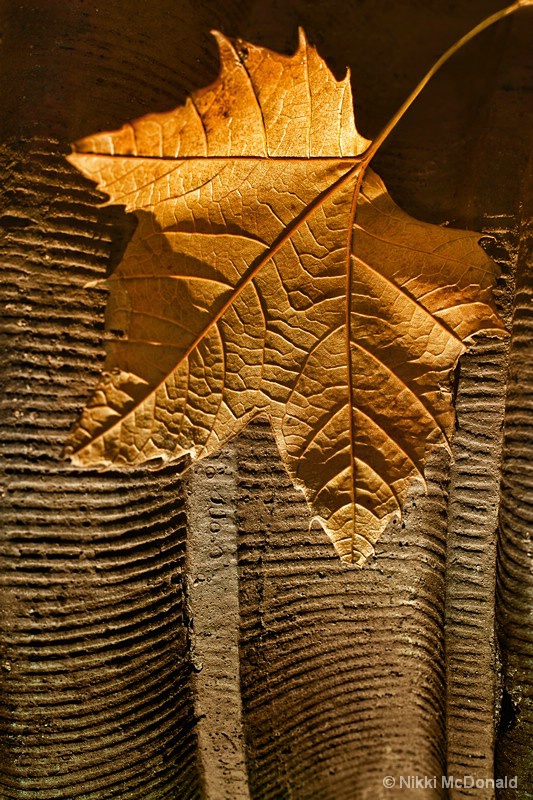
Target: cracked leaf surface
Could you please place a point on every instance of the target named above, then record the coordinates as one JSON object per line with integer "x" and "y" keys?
{"x": 271, "y": 272}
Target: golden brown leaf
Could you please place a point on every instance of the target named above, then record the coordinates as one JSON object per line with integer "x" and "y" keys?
{"x": 271, "y": 272}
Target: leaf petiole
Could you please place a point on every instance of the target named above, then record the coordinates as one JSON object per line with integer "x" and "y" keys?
{"x": 486, "y": 23}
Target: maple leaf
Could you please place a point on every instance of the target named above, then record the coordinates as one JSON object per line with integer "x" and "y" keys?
{"x": 271, "y": 272}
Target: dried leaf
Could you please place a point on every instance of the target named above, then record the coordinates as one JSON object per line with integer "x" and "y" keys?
{"x": 271, "y": 272}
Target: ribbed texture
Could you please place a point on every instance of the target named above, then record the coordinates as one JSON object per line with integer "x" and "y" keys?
{"x": 471, "y": 566}
{"x": 515, "y": 547}
{"x": 492, "y": 195}
{"x": 342, "y": 669}
{"x": 94, "y": 651}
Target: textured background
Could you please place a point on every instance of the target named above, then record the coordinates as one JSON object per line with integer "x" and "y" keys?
{"x": 234, "y": 657}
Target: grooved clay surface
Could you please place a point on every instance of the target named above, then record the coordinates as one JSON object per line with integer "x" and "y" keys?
{"x": 346, "y": 676}
{"x": 515, "y": 547}
{"x": 342, "y": 669}
{"x": 95, "y": 695}
{"x": 471, "y": 566}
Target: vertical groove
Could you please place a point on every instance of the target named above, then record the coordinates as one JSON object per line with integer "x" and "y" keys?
{"x": 213, "y": 596}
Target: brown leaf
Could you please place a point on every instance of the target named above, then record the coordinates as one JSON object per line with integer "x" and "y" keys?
{"x": 271, "y": 272}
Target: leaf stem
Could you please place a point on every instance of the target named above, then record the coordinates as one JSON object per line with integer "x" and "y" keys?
{"x": 389, "y": 127}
